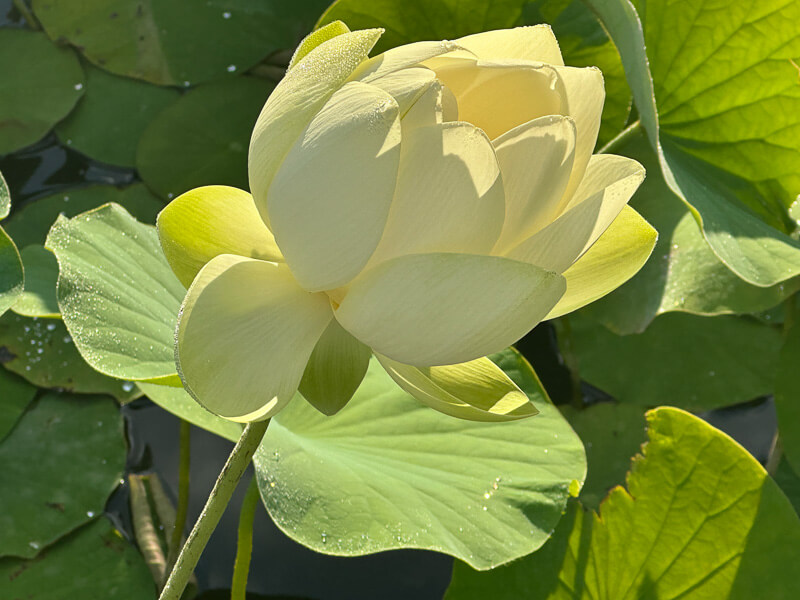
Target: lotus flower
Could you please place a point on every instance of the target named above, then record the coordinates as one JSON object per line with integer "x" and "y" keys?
{"x": 429, "y": 205}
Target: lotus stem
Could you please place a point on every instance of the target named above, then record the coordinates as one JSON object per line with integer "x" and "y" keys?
{"x": 27, "y": 14}
{"x": 183, "y": 495}
{"x": 212, "y": 512}
{"x": 244, "y": 544}
{"x": 622, "y": 137}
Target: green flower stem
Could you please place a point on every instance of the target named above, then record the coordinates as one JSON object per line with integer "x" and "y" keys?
{"x": 183, "y": 495}
{"x": 212, "y": 512}
{"x": 622, "y": 137}
{"x": 244, "y": 544}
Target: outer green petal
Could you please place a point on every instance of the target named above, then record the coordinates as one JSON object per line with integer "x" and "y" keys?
{"x": 245, "y": 333}
{"x": 445, "y": 308}
{"x": 449, "y": 194}
{"x": 477, "y": 390}
{"x": 609, "y": 183}
{"x": 616, "y": 257}
{"x": 335, "y": 370}
{"x": 331, "y": 196}
{"x": 315, "y": 38}
{"x": 536, "y": 160}
{"x": 209, "y": 221}
{"x": 535, "y": 43}
{"x": 296, "y": 99}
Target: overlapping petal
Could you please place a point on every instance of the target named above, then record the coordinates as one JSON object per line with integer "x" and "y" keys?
{"x": 477, "y": 390}
{"x": 616, "y": 257}
{"x": 330, "y": 198}
{"x": 445, "y": 308}
{"x": 209, "y": 221}
{"x": 294, "y": 102}
{"x": 335, "y": 370}
{"x": 498, "y": 96}
{"x": 401, "y": 57}
{"x": 449, "y": 194}
{"x": 245, "y": 333}
{"x": 536, "y": 161}
{"x": 608, "y": 185}
{"x": 536, "y": 43}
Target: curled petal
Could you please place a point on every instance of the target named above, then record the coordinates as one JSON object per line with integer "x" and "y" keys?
{"x": 209, "y": 221}
{"x": 245, "y": 333}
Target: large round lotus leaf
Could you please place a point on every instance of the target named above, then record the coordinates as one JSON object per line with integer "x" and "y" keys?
{"x": 170, "y": 42}
{"x": 700, "y": 520}
{"x": 30, "y": 223}
{"x": 39, "y": 84}
{"x": 202, "y": 138}
{"x": 42, "y": 351}
{"x": 110, "y": 118}
{"x": 94, "y": 562}
{"x": 57, "y": 468}
{"x": 16, "y": 395}
{"x": 389, "y": 472}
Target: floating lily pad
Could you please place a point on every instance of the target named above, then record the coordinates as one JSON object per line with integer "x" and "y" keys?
{"x": 31, "y": 222}
{"x": 700, "y": 519}
{"x": 118, "y": 296}
{"x": 94, "y": 562}
{"x": 164, "y": 43}
{"x": 202, "y": 138}
{"x": 612, "y": 434}
{"x": 57, "y": 468}
{"x": 5, "y": 198}
{"x": 11, "y": 274}
{"x": 697, "y": 363}
{"x": 110, "y": 118}
{"x": 16, "y": 395}
{"x": 41, "y": 83}
{"x": 789, "y": 482}
{"x": 388, "y": 472}
{"x": 38, "y": 299}
{"x": 42, "y": 351}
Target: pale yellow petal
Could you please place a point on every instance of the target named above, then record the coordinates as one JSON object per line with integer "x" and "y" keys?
{"x": 608, "y": 185}
{"x": 245, "y": 333}
{"x": 536, "y": 43}
{"x": 406, "y": 86}
{"x": 335, "y": 370}
{"x": 536, "y": 162}
{"x": 498, "y": 96}
{"x": 477, "y": 390}
{"x": 585, "y": 93}
{"x": 444, "y": 308}
{"x": 401, "y": 57}
{"x": 616, "y": 257}
{"x": 436, "y": 105}
{"x": 330, "y": 198}
{"x": 293, "y": 103}
{"x": 208, "y": 221}
{"x": 449, "y": 194}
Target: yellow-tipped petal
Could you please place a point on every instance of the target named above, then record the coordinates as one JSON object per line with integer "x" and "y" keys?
{"x": 296, "y": 99}
{"x": 585, "y": 94}
{"x": 444, "y": 308}
{"x": 536, "y": 43}
{"x": 536, "y": 162}
{"x": 330, "y": 198}
{"x": 477, "y": 390}
{"x": 608, "y": 185}
{"x": 449, "y": 194}
{"x": 499, "y": 96}
{"x": 335, "y": 370}
{"x": 616, "y": 257}
{"x": 245, "y": 333}
{"x": 315, "y": 38}
{"x": 209, "y": 221}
